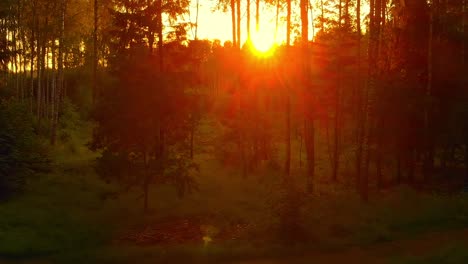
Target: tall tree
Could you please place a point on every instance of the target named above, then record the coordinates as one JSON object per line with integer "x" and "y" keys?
{"x": 309, "y": 128}
{"x": 233, "y": 19}
{"x": 248, "y": 19}
{"x": 238, "y": 5}
{"x": 288, "y": 22}
{"x": 257, "y": 15}
{"x": 57, "y": 97}
{"x": 95, "y": 51}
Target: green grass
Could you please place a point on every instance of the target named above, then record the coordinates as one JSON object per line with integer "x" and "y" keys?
{"x": 455, "y": 253}
{"x": 62, "y": 216}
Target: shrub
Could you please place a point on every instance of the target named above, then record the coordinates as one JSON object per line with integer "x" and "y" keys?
{"x": 21, "y": 151}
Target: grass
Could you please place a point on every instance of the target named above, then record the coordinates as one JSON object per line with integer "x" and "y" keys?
{"x": 63, "y": 217}
{"x": 455, "y": 253}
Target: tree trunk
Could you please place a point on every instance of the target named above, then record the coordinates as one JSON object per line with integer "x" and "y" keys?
{"x": 359, "y": 114}
{"x": 60, "y": 73}
{"x": 257, "y": 15}
{"x": 53, "y": 86}
{"x": 31, "y": 91}
{"x": 238, "y": 24}
{"x": 277, "y": 19}
{"x": 336, "y": 134}
{"x": 38, "y": 73}
{"x": 323, "y": 16}
{"x": 309, "y": 138}
{"x": 346, "y": 18}
{"x": 465, "y": 79}
{"x": 288, "y": 23}
{"x": 146, "y": 181}
{"x": 233, "y": 18}
{"x": 95, "y": 49}
{"x": 15, "y": 56}
{"x": 196, "y": 20}
{"x": 192, "y": 132}
{"x": 287, "y": 165}
{"x": 378, "y": 154}
{"x": 429, "y": 145}
{"x": 248, "y": 20}
{"x": 369, "y": 99}
{"x": 309, "y": 129}
{"x": 463, "y": 50}
{"x": 340, "y": 13}
{"x": 160, "y": 34}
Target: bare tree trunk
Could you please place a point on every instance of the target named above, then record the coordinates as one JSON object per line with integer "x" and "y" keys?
{"x": 309, "y": 138}
{"x": 346, "y": 18}
{"x": 429, "y": 155}
{"x": 60, "y": 73}
{"x": 160, "y": 35}
{"x": 336, "y": 134}
{"x": 238, "y": 24}
{"x": 47, "y": 88}
{"x": 309, "y": 129}
{"x": 257, "y": 15}
{"x": 340, "y": 13}
{"x": 378, "y": 158}
{"x": 15, "y": 54}
{"x": 233, "y": 17}
{"x": 464, "y": 82}
{"x": 300, "y": 148}
{"x": 369, "y": 101}
{"x": 196, "y": 20}
{"x": 463, "y": 51}
{"x": 192, "y": 132}
{"x": 277, "y": 18}
{"x": 31, "y": 91}
{"x": 146, "y": 181}
{"x": 95, "y": 50}
{"x": 287, "y": 165}
{"x": 312, "y": 19}
{"x": 38, "y": 70}
{"x": 248, "y": 20}
{"x": 288, "y": 23}
{"x": 323, "y": 16}
{"x": 359, "y": 114}
{"x": 44, "y": 70}
{"x": 53, "y": 85}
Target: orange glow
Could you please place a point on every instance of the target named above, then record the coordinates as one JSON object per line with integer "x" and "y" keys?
{"x": 263, "y": 43}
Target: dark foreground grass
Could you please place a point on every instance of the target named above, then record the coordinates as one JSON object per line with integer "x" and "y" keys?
{"x": 454, "y": 253}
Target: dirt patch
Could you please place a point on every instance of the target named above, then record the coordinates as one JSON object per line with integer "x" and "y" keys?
{"x": 184, "y": 230}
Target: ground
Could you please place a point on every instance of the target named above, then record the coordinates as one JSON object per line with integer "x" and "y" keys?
{"x": 71, "y": 216}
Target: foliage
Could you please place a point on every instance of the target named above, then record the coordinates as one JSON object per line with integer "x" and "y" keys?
{"x": 143, "y": 124}
{"x": 21, "y": 149}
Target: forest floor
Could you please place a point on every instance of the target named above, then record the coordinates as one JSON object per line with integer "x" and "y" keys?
{"x": 71, "y": 216}
{"x": 433, "y": 247}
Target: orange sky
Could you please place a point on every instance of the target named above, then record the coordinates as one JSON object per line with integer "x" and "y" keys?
{"x": 217, "y": 25}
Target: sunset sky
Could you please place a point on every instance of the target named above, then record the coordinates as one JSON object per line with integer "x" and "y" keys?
{"x": 217, "y": 24}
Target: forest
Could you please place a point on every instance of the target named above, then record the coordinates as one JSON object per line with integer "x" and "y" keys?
{"x": 339, "y": 137}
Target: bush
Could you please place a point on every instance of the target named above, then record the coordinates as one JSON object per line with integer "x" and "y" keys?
{"x": 21, "y": 151}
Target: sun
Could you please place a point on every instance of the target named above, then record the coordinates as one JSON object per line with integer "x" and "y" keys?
{"x": 263, "y": 44}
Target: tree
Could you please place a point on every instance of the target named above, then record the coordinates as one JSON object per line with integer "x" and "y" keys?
{"x": 21, "y": 152}
{"x": 156, "y": 147}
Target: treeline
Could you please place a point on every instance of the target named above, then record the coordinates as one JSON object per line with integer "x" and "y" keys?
{"x": 378, "y": 98}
